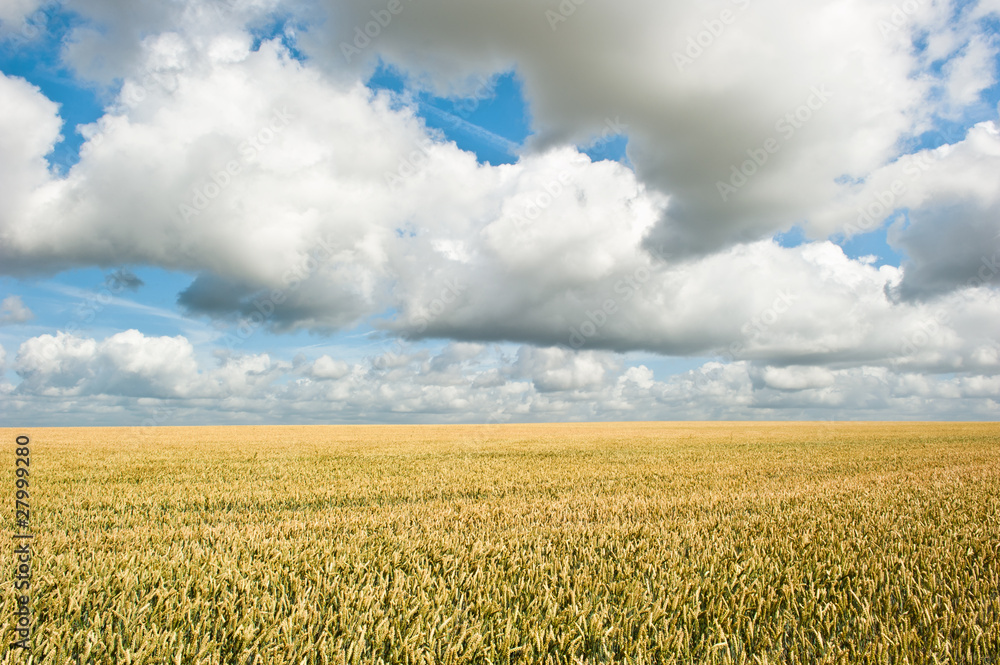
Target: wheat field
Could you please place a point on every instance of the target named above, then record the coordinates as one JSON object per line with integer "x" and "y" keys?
{"x": 591, "y": 543}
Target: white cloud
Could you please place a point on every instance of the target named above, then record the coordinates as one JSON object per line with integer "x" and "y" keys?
{"x": 13, "y": 310}
{"x": 129, "y": 372}
{"x": 326, "y": 367}
{"x": 52, "y": 365}
{"x": 808, "y": 304}
{"x": 971, "y": 71}
{"x": 698, "y": 112}
{"x": 242, "y": 376}
{"x": 326, "y": 234}
{"x": 796, "y": 378}
{"x": 109, "y": 43}
{"x": 127, "y": 363}
{"x": 561, "y": 370}
{"x": 131, "y": 364}
{"x": 29, "y": 129}
{"x": 951, "y": 231}
{"x": 689, "y": 123}
{"x": 301, "y": 200}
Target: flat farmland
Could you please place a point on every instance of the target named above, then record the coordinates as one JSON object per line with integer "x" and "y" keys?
{"x": 631, "y": 543}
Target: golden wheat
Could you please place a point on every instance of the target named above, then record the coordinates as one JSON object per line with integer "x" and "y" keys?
{"x": 632, "y": 543}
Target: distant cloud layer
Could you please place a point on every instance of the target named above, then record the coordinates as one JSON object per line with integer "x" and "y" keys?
{"x": 159, "y": 381}
{"x": 301, "y": 200}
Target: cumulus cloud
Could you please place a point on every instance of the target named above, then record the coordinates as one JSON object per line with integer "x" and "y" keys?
{"x": 289, "y": 232}
{"x": 127, "y": 363}
{"x": 326, "y": 367}
{"x": 560, "y": 370}
{"x": 301, "y": 200}
{"x": 110, "y": 39}
{"x": 835, "y": 80}
{"x": 159, "y": 379}
{"x": 794, "y": 378}
{"x": 832, "y": 80}
{"x": 952, "y": 239}
{"x": 29, "y": 129}
{"x": 951, "y": 229}
{"x": 13, "y": 310}
{"x": 131, "y": 364}
{"x": 804, "y": 305}
{"x": 970, "y": 72}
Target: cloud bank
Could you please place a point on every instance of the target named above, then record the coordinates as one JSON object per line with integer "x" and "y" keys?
{"x": 157, "y": 380}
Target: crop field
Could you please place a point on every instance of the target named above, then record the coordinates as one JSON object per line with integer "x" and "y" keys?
{"x": 630, "y": 543}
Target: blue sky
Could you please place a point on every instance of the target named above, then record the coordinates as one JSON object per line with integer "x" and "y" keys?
{"x": 492, "y": 246}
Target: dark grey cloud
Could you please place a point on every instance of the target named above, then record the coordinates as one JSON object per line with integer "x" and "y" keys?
{"x": 123, "y": 279}
{"x": 948, "y": 247}
{"x": 214, "y": 295}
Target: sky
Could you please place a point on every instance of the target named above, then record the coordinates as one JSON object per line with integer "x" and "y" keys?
{"x": 435, "y": 211}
